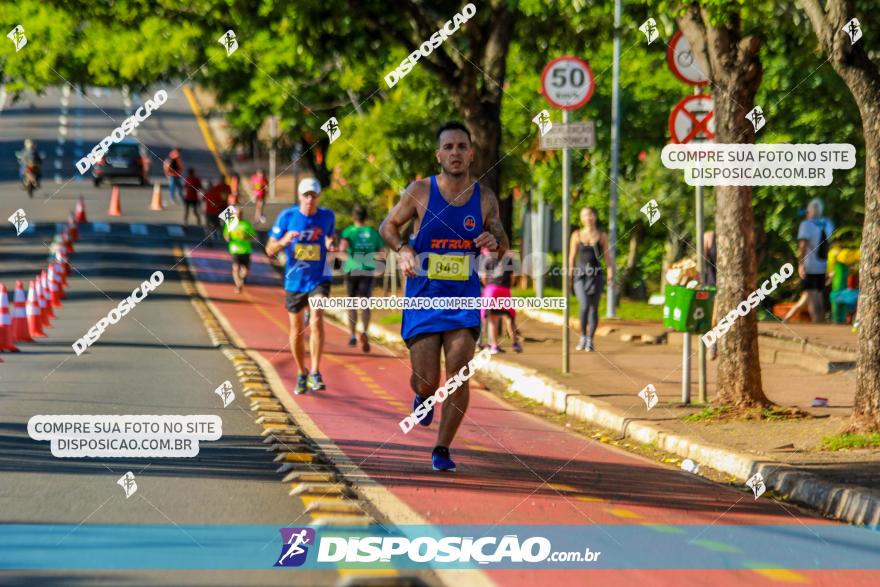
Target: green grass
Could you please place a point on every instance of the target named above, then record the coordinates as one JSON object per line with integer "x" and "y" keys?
{"x": 626, "y": 310}
{"x": 707, "y": 415}
{"x": 845, "y": 441}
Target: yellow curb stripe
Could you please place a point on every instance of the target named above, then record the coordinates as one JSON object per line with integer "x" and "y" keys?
{"x": 782, "y": 575}
{"x": 623, "y": 513}
{"x": 206, "y": 132}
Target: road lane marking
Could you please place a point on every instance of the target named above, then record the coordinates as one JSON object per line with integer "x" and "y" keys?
{"x": 206, "y": 132}
{"x": 623, "y": 513}
{"x": 665, "y": 528}
{"x": 782, "y": 575}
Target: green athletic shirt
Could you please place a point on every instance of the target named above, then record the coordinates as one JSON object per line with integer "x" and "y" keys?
{"x": 240, "y": 242}
{"x": 362, "y": 242}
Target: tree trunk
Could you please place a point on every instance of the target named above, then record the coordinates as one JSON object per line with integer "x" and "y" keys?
{"x": 862, "y": 77}
{"x": 734, "y": 68}
{"x": 484, "y": 122}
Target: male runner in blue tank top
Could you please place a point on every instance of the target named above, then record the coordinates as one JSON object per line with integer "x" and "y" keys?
{"x": 454, "y": 217}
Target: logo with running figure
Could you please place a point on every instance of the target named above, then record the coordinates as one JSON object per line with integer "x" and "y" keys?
{"x": 469, "y": 222}
{"x": 295, "y": 546}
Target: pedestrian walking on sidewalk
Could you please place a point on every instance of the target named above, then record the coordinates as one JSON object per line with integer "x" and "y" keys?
{"x": 173, "y": 169}
{"x": 240, "y": 237}
{"x": 587, "y": 247}
{"x": 453, "y": 218}
{"x": 814, "y": 238}
{"x": 306, "y": 233}
{"x": 191, "y": 196}
{"x": 497, "y": 279}
{"x": 362, "y": 245}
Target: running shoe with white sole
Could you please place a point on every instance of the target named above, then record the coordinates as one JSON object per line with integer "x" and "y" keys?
{"x": 301, "y": 384}
{"x": 315, "y": 382}
{"x": 440, "y": 459}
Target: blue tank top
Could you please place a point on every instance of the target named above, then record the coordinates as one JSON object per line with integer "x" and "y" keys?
{"x": 446, "y": 231}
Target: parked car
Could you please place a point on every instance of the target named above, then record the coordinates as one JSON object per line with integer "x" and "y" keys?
{"x": 125, "y": 159}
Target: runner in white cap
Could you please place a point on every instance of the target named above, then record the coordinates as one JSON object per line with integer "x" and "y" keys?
{"x": 305, "y": 232}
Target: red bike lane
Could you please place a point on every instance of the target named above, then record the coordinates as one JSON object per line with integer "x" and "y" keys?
{"x": 513, "y": 468}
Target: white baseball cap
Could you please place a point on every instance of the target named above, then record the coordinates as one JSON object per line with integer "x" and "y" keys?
{"x": 309, "y": 184}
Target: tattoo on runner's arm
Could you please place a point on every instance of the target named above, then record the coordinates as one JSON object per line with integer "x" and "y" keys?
{"x": 494, "y": 225}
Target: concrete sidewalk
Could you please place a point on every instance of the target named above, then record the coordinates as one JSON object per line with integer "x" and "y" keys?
{"x": 603, "y": 388}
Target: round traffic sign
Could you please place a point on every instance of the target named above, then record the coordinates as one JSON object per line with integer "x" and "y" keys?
{"x": 683, "y": 63}
{"x": 693, "y": 120}
{"x": 567, "y": 82}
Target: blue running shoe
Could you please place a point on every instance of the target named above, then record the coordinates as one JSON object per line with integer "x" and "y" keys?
{"x": 315, "y": 382}
{"x": 301, "y": 382}
{"x": 429, "y": 417}
{"x": 440, "y": 459}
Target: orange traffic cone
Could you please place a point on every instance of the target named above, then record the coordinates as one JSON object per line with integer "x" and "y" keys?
{"x": 114, "y": 209}
{"x": 59, "y": 280}
{"x": 19, "y": 315}
{"x": 61, "y": 257}
{"x": 54, "y": 293}
{"x": 45, "y": 307}
{"x": 71, "y": 226}
{"x": 66, "y": 241}
{"x": 156, "y": 204}
{"x": 80, "y": 214}
{"x": 34, "y": 320}
{"x": 7, "y": 338}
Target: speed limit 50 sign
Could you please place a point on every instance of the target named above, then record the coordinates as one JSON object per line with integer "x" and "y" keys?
{"x": 567, "y": 82}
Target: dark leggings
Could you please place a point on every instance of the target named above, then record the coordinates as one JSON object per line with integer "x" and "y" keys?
{"x": 589, "y": 307}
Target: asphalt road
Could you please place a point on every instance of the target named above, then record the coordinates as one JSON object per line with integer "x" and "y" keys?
{"x": 157, "y": 360}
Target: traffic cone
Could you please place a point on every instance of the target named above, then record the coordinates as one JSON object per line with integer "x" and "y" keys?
{"x": 7, "y": 338}
{"x": 59, "y": 280}
{"x": 114, "y": 209}
{"x": 34, "y": 318}
{"x": 54, "y": 293}
{"x": 80, "y": 214}
{"x": 156, "y": 205}
{"x": 61, "y": 258}
{"x": 45, "y": 307}
{"x": 71, "y": 226}
{"x": 19, "y": 315}
{"x": 66, "y": 241}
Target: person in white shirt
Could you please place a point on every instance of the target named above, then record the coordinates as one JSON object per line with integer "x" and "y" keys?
{"x": 814, "y": 241}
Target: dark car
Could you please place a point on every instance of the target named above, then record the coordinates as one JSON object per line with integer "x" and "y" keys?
{"x": 126, "y": 158}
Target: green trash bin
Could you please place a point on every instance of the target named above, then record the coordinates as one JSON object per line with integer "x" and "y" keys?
{"x": 688, "y": 310}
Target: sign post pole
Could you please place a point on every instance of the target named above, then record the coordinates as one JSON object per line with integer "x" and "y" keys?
{"x": 685, "y": 125}
{"x": 566, "y": 222}
{"x": 701, "y": 266}
{"x": 567, "y": 83}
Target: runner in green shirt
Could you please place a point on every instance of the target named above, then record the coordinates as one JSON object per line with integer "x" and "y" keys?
{"x": 240, "y": 240}
{"x": 363, "y": 246}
